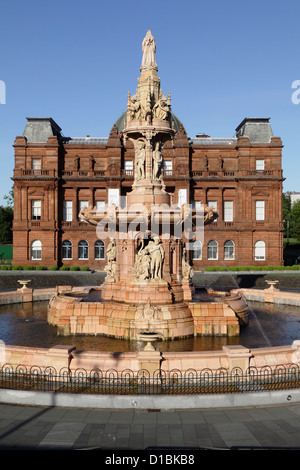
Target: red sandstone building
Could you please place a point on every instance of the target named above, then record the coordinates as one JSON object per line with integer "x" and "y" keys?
{"x": 55, "y": 176}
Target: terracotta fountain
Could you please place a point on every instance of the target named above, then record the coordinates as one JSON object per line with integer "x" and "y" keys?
{"x": 148, "y": 285}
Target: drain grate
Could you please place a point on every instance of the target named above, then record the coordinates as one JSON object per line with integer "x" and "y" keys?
{"x": 153, "y": 410}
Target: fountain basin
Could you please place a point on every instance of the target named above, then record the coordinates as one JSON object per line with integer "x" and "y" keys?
{"x": 149, "y": 337}
{"x": 75, "y": 313}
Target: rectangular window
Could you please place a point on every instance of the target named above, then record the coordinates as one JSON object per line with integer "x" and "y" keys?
{"x": 197, "y": 205}
{"x": 259, "y": 165}
{"x": 113, "y": 197}
{"x": 197, "y": 250}
{"x": 100, "y": 205}
{"x": 259, "y": 210}
{"x": 168, "y": 167}
{"x": 68, "y": 211}
{"x": 36, "y": 209}
{"x": 83, "y": 204}
{"x": 36, "y": 164}
{"x": 128, "y": 166}
{"x": 182, "y": 197}
{"x": 228, "y": 211}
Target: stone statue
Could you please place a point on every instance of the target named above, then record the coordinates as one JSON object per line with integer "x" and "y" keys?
{"x": 187, "y": 270}
{"x": 161, "y": 109}
{"x": 157, "y": 161}
{"x": 91, "y": 163}
{"x": 136, "y": 109}
{"x": 149, "y": 261}
{"x": 111, "y": 255}
{"x": 157, "y": 255}
{"x": 76, "y": 163}
{"x": 149, "y": 49}
{"x": 140, "y": 161}
{"x": 209, "y": 214}
{"x": 141, "y": 269}
{"x": 85, "y": 214}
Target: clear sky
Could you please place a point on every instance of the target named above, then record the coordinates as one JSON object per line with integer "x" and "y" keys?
{"x": 222, "y": 61}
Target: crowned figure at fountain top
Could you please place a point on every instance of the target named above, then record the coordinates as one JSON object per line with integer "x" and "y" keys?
{"x": 149, "y": 49}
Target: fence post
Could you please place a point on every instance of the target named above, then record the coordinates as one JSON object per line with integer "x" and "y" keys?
{"x": 238, "y": 356}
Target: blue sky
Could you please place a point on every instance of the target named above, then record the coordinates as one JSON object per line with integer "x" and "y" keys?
{"x": 75, "y": 61}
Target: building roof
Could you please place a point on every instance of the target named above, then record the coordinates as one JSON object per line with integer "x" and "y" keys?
{"x": 87, "y": 140}
{"x": 258, "y": 130}
{"x": 213, "y": 140}
{"x": 38, "y": 130}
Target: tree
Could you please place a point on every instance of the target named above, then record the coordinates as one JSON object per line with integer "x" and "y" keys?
{"x": 286, "y": 213}
{"x": 295, "y": 220}
{"x": 6, "y": 218}
{"x": 10, "y": 198}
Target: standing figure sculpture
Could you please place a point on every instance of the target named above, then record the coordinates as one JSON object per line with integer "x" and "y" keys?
{"x": 157, "y": 255}
{"x": 187, "y": 270}
{"x": 157, "y": 161}
{"x": 111, "y": 255}
{"x": 149, "y": 49}
{"x": 140, "y": 161}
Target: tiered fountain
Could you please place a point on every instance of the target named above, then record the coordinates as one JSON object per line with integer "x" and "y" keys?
{"x": 148, "y": 284}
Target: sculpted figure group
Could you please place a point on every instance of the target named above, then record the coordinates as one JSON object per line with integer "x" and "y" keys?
{"x": 140, "y": 160}
{"x": 149, "y": 261}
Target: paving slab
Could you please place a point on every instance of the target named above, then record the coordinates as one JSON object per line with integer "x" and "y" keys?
{"x": 50, "y": 428}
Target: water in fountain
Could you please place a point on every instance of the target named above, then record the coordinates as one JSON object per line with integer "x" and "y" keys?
{"x": 252, "y": 313}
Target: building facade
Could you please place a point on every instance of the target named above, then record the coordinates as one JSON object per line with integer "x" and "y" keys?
{"x": 56, "y": 176}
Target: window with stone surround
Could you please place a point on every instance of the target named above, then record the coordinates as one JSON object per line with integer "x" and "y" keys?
{"x": 259, "y": 165}
{"x": 212, "y": 250}
{"x": 260, "y": 251}
{"x": 83, "y": 204}
{"x": 83, "y": 249}
{"x": 228, "y": 211}
{"x": 36, "y": 209}
{"x": 229, "y": 250}
{"x": 259, "y": 210}
{"x": 67, "y": 250}
{"x": 36, "y": 164}
{"x": 68, "y": 211}
{"x": 197, "y": 250}
{"x": 99, "y": 249}
{"x": 36, "y": 250}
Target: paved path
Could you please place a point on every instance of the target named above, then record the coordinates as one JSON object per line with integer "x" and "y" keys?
{"x": 53, "y": 428}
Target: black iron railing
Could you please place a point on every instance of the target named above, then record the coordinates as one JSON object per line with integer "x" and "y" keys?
{"x": 127, "y": 382}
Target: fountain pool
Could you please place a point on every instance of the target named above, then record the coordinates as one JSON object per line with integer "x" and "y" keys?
{"x": 26, "y": 325}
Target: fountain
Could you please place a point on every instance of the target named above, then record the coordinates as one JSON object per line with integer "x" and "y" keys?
{"x": 148, "y": 285}
{"x": 149, "y": 337}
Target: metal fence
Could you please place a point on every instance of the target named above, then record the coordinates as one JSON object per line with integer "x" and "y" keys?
{"x": 160, "y": 382}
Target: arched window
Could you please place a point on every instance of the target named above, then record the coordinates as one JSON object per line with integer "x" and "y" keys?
{"x": 83, "y": 249}
{"x": 99, "y": 250}
{"x": 260, "y": 251}
{"x": 197, "y": 250}
{"x": 36, "y": 250}
{"x": 229, "y": 249}
{"x": 66, "y": 250}
{"x": 212, "y": 250}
